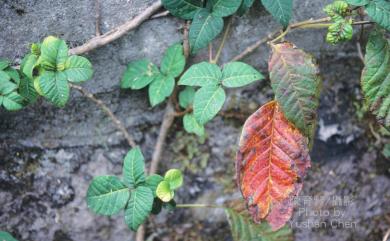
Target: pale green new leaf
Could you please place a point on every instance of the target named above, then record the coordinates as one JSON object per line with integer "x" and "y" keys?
{"x": 54, "y": 53}
{"x": 238, "y": 74}
{"x": 139, "y": 207}
{"x": 152, "y": 182}
{"x": 107, "y": 195}
{"x": 379, "y": 11}
{"x": 207, "y": 102}
{"x": 186, "y": 97}
{"x": 13, "y": 101}
{"x": 4, "y": 236}
{"x": 134, "y": 168}
{"x": 139, "y": 74}
{"x": 192, "y": 126}
{"x": 54, "y": 87}
{"x": 201, "y": 74}
{"x": 164, "y": 191}
{"x": 204, "y": 28}
{"x": 160, "y": 89}
{"x": 223, "y": 8}
{"x": 376, "y": 76}
{"x": 244, "y": 229}
{"x": 281, "y": 10}
{"x": 185, "y": 9}
{"x": 358, "y": 2}
{"x": 174, "y": 177}
{"x": 27, "y": 90}
{"x": 173, "y": 61}
{"x": 78, "y": 69}
{"x": 28, "y": 65}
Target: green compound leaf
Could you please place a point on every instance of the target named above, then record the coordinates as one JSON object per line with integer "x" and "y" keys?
{"x": 379, "y": 11}
{"x": 281, "y": 10}
{"x": 204, "y": 28}
{"x": 201, "y": 74}
{"x": 376, "y": 76}
{"x": 296, "y": 83}
{"x": 160, "y": 89}
{"x": 27, "y": 90}
{"x": 164, "y": 191}
{"x": 139, "y": 74}
{"x": 54, "y": 87}
{"x": 107, "y": 195}
{"x": 223, "y": 8}
{"x": 245, "y": 6}
{"x": 78, "y": 69}
{"x": 139, "y": 207}
{"x": 28, "y": 64}
{"x": 207, "y": 102}
{"x": 174, "y": 177}
{"x": 244, "y": 229}
{"x": 13, "y": 101}
{"x": 358, "y": 2}
{"x": 186, "y": 97}
{"x": 185, "y": 9}
{"x": 54, "y": 53}
{"x": 238, "y": 74}
{"x": 134, "y": 168}
{"x": 192, "y": 126}
{"x": 3, "y": 64}
{"x": 173, "y": 61}
{"x": 152, "y": 182}
{"x": 4, "y": 236}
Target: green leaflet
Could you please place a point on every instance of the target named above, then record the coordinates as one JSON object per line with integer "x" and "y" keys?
{"x": 223, "y": 8}
{"x": 376, "y": 76}
{"x": 358, "y": 2}
{"x": 186, "y": 97}
{"x": 379, "y": 11}
{"x": 160, "y": 89}
{"x": 173, "y": 61}
{"x": 54, "y": 87}
{"x": 13, "y": 101}
{"x": 139, "y": 74}
{"x": 185, "y": 9}
{"x": 54, "y": 53}
{"x": 204, "y": 28}
{"x": 134, "y": 168}
{"x": 243, "y": 229}
{"x": 13, "y": 74}
{"x": 174, "y": 177}
{"x": 296, "y": 83}
{"x": 107, "y": 195}
{"x": 281, "y": 10}
{"x": 28, "y": 64}
{"x": 164, "y": 192}
{"x": 191, "y": 125}
{"x": 138, "y": 207}
{"x": 4, "y": 236}
{"x": 78, "y": 69}
{"x": 152, "y": 182}
{"x": 27, "y": 90}
{"x": 3, "y": 64}
{"x": 207, "y": 102}
{"x": 238, "y": 74}
{"x": 201, "y": 74}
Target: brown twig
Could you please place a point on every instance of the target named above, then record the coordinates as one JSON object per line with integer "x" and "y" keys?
{"x": 108, "y": 111}
{"x": 186, "y": 42}
{"x": 225, "y": 35}
{"x": 117, "y": 32}
{"x": 160, "y": 15}
{"x": 386, "y": 237}
{"x": 210, "y": 52}
{"x": 97, "y": 18}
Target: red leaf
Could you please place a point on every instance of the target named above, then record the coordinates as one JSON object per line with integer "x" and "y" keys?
{"x": 272, "y": 159}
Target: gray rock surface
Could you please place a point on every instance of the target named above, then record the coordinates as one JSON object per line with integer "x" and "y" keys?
{"x": 48, "y": 155}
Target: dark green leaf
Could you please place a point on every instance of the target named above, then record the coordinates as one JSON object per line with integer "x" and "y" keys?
{"x": 238, "y": 74}
{"x": 13, "y": 101}
{"x": 134, "y": 168}
{"x": 107, "y": 195}
{"x": 54, "y": 87}
{"x": 358, "y": 2}
{"x": 192, "y": 126}
{"x": 160, "y": 89}
{"x": 379, "y": 11}
{"x": 201, "y": 74}
{"x": 281, "y": 10}
{"x": 54, "y": 53}
{"x": 139, "y": 207}
{"x": 139, "y": 74}
{"x": 245, "y": 6}
{"x": 4, "y": 236}
{"x": 170, "y": 206}
{"x": 186, "y": 97}
{"x": 27, "y": 90}
{"x": 204, "y": 28}
{"x": 223, "y": 8}
{"x": 152, "y": 182}
{"x": 157, "y": 206}
{"x": 207, "y": 102}
{"x": 173, "y": 61}
{"x": 78, "y": 69}
{"x": 185, "y": 9}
